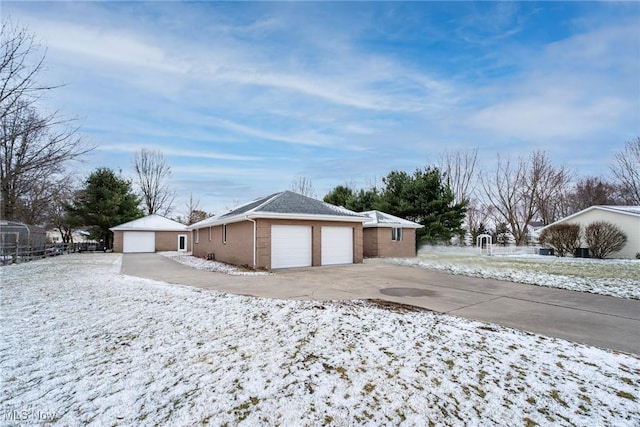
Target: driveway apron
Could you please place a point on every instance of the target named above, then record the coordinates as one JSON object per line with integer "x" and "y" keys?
{"x": 602, "y": 321}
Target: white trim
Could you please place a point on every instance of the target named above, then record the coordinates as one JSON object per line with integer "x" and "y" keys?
{"x": 186, "y": 242}
{"x": 275, "y": 215}
{"x": 397, "y": 234}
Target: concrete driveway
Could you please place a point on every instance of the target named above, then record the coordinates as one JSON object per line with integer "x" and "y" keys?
{"x": 601, "y": 321}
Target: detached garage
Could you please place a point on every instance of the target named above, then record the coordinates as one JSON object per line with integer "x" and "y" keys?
{"x": 150, "y": 234}
{"x": 283, "y": 230}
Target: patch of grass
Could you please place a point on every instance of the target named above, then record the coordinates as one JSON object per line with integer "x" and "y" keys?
{"x": 369, "y": 388}
{"x": 479, "y": 391}
{"x": 584, "y": 397}
{"x": 531, "y": 400}
{"x": 529, "y": 422}
{"x": 449, "y": 363}
{"x": 627, "y": 380}
{"x": 555, "y": 394}
{"x": 626, "y": 395}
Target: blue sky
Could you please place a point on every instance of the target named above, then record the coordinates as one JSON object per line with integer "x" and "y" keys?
{"x": 244, "y": 97}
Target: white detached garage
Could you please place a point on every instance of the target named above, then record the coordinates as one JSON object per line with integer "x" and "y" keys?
{"x": 151, "y": 233}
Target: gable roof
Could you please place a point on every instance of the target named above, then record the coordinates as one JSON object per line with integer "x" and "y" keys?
{"x": 382, "y": 219}
{"x": 623, "y": 210}
{"x": 284, "y": 205}
{"x": 151, "y": 222}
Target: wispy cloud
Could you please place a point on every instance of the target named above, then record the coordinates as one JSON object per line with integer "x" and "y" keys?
{"x": 340, "y": 92}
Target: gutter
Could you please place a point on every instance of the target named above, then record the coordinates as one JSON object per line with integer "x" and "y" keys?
{"x": 255, "y": 232}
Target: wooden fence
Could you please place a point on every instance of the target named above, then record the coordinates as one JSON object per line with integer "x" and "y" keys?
{"x": 10, "y": 254}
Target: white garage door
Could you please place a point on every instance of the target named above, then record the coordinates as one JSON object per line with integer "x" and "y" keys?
{"x": 139, "y": 241}
{"x": 290, "y": 246}
{"x": 337, "y": 245}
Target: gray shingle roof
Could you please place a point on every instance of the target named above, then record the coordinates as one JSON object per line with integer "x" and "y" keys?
{"x": 294, "y": 203}
{"x": 283, "y": 203}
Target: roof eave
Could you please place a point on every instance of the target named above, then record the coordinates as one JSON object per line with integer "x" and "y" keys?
{"x": 277, "y": 215}
{"x": 388, "y": 225}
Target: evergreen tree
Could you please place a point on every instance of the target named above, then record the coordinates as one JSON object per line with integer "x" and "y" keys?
{"x": 424, "y": 197}
{"x": 339, "y": 196}
{"x": 104, "y": 202}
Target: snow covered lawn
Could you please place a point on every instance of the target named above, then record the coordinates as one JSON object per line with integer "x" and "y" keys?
{"x": 618, "y": 278}
{"x": 206, "y": 265}
{"x": 83, "y": 344}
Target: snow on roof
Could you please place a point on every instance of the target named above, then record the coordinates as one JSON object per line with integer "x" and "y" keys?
{"x": 151, "y": 223}
{"x": 382, "y": 219}
{"x": 634, "y": 210}
{"x": 285, "y": 204}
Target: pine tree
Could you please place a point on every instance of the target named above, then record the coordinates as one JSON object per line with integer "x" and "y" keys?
{"x": 104, "y": 202}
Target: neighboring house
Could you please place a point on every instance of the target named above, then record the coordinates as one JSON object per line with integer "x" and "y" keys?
{"x": 78, "y": 236}
{"x": 282, "y": 230}
{"x": 533, "y": 231}
{"x": 150, "y": 234}
{"x": 386, "y": 235}
{"x": 627, "y": 218}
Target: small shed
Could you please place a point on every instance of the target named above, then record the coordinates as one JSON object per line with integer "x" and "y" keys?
{"x": 150, "y": 234}
{"x": 18, "y": 239}
{"x": 386, "y": 235}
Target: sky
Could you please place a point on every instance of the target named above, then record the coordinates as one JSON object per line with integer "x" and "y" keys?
{"x": 242, "y": 98}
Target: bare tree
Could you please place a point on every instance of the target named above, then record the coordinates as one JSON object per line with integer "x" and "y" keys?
{"x": 591, "y": 191}
{"x": 194, "y": 213}
{"x": 518, "y": 190}
{"x": 21, "y": 60}
{"x": 460, "y": 169}
{"x": 152, "y": 174}
{"x": 626, "y": 169}
{"x": 303, "y": 185}
{"x": 33, "y": 147}
{"x": 552, "y": 187}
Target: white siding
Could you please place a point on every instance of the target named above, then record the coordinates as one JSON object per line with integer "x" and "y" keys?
{"x": 630, "y": 224}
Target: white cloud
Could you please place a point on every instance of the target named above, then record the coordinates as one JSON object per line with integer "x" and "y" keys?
{"x": 176, "y": 152}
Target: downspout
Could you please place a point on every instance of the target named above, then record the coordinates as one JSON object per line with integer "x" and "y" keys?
{"x": 255, "y": 226}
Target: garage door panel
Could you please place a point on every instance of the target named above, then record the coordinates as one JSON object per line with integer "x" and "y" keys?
{"x": 290, "y": 246}
{"x": 138, "y": 241}
{"x": 337, "y": 245}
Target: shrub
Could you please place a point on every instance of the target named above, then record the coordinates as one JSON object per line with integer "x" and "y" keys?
{"x": 603, "y": 238}
{"x": 563, "y": 238}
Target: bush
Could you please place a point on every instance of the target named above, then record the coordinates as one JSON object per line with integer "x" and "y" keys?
{"x": 563, "y": 238}
{"x": 603, "y": 238}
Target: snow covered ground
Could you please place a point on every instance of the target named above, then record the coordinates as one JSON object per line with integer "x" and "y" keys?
{"x": 206, "y": 265}
{"x": 613, "y": 277}
{"x": 83, "y": 344}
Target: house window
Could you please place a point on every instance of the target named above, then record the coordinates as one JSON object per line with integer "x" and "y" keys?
{"x": 197, "y": 239}
{"x": 209, "y": 233}
{"x": 396, "y": 234}
{"x": 224, "y": 233}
